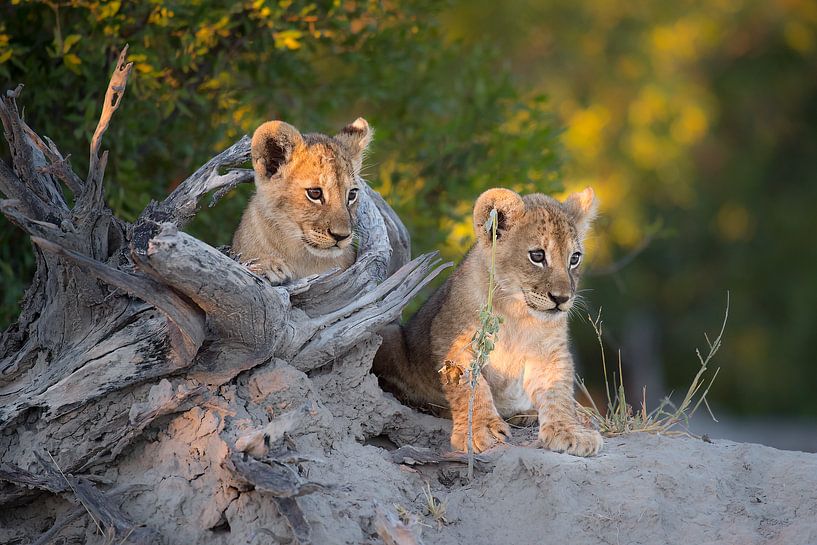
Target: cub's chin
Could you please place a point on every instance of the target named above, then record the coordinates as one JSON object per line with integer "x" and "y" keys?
{"x": 552, "y": 314}
{"x": 331, "y": 252}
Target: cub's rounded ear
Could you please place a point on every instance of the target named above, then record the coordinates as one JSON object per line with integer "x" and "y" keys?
{"x": 582, "y": 208}
{"x": 356, "y": 136}
{"x": 509, "y": 207}
{"x": 272, "y": 146}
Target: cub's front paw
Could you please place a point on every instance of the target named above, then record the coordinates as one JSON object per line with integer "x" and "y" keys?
{"x": 487, "y": 433}
{"x": 254, "y": 266}
{"x": 570, "y": 438}
{"x": 275, "y": 273}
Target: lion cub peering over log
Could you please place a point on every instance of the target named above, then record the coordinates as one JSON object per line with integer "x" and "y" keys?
{"x": 300, "y": 220}
{"x": 538, "y": 253}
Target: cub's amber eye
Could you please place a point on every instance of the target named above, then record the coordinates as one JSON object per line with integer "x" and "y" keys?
{"x": 537, "y": 257}
{"x": 575, "y": 259}
{"x": 352, "y": 195}
{"x": 314, "y": 194}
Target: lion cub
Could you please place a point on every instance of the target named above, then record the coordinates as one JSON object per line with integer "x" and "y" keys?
{"x": 300, "y": 220}
{"x": 538, "y": 253}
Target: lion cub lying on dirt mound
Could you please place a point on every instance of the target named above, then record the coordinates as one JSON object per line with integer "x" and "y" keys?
{"x": 300, "y": 221}
{"x": 538, "y": 252}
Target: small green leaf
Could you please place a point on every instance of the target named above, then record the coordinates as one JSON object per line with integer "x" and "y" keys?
{"x": 72, "y": 62}
{"x": 491, "y": 220}
{"x": 69, "y": 42}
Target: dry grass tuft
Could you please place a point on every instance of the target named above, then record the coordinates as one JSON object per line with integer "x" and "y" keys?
{"x": 434, "y": 507}
{"x": 619, "y": 417}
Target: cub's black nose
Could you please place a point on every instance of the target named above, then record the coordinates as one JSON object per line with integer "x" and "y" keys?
{"x": 340, "y": 236}
{"x": 558, "y": 299}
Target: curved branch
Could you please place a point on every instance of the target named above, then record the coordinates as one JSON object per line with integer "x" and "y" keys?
{"x": 240, "y": 306}
{"x": 336, "y": 333}
{"x": 399, "y": 238}
{"x": 29, "y": 183}
{"x": 181, "y": 205}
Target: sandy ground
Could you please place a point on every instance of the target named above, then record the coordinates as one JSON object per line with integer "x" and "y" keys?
{"x": 640, "y": 489}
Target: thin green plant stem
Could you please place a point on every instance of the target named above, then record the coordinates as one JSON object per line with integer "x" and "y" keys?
{"x": 483, "y": 340}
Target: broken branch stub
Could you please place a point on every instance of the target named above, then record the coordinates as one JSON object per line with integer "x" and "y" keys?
{"x": 92, "y": 196}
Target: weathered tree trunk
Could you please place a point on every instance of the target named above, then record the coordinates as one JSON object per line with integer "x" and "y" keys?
{"x": 127, "y": 326}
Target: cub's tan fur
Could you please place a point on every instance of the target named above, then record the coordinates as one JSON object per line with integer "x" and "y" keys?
{"x": 284, "y": 232}
{"x": 531, "y": 367}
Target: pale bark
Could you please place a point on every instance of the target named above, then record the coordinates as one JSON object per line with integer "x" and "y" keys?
{"x": 126, "y": 323}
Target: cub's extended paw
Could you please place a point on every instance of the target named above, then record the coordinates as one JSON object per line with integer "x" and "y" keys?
{"x": 254, "y": 266}
{"x": 487, "y": 433}
{"x": 275, "y": 274}
{"x": 571, "y": 438}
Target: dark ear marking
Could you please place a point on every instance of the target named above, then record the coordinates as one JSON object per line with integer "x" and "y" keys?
{"x": 356, "y": 129}
{"x": 273, "y": 144}
{"x": 356, "y": 137}
{"x": 501, "y": 223}
{"x": 509, "y": 207}
{"x": 274, "y": 156}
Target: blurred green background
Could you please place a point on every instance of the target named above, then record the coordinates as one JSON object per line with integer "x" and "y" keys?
{"x": 696, "y": 123}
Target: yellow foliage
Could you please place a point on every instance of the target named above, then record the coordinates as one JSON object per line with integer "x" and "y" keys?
{"x": 629, "y": 67}
{"x": 649, "y": 107}
{"x": 733, "y": 222}
{"x": 626, "y": 230}
{"x": 108, "y": 9}
{"x": 72, "y": 62}
{"x": 690, "y": 125}
{"x": 460, "y": 232}
{"x": 160, "y": 16}
{"x": 242, "y": 117}
{"x": 683, "y": 40}
{"x": 288, "y": 39}
{"x": 799, "y": 37}
{"x": 644, "y": 148}
{"x": 513, "y": 125}
{"x": 69, "y": 42}
{"x": 5, "y": 50}
{"x": 384, "y": 174}
{"x": 584, "y": 131}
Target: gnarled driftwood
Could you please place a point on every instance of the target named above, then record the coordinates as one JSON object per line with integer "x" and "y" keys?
{"x": 125, "y": 324}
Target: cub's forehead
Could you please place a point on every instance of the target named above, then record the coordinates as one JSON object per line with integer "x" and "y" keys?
{"x": 546, "y": 217}
{"x": 328, "y": 150}
{"x": 325, "y": 161}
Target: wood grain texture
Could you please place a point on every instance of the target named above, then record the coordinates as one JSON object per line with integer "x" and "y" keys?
{"x": 125, "y": 324}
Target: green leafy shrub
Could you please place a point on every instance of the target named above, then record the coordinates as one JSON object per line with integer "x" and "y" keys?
{"x": 449, "y": 120}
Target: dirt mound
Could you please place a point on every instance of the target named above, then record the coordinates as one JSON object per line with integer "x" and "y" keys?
{"x": 337, "y": 453}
